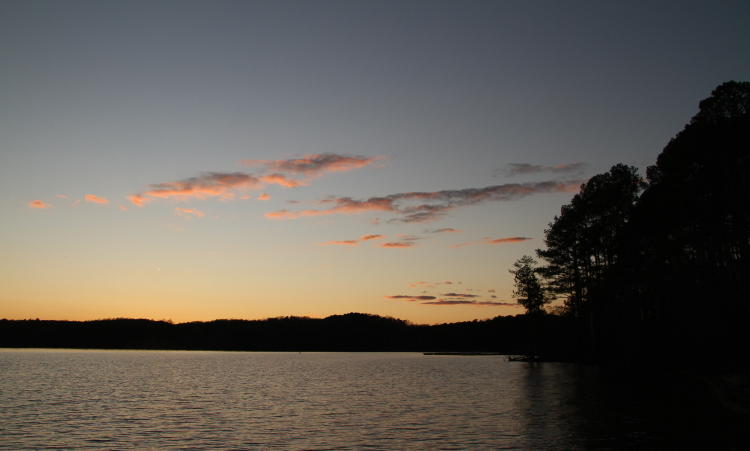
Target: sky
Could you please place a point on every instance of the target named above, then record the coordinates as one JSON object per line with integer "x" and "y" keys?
{"x": 248, "y": 159}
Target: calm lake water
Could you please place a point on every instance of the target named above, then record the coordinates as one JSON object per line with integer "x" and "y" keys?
{"x": 220, "y": 400}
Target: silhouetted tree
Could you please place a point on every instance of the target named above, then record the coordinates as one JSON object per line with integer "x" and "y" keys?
{"x": 689, "y": 242}
{"x": 582, "y": 242}
{"x": 528, "y": 290}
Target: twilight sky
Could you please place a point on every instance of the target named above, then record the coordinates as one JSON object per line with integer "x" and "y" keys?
{"x": 248, "y": 159}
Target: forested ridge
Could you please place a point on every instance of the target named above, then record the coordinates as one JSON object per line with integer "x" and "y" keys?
{"x": 349, "y": 332}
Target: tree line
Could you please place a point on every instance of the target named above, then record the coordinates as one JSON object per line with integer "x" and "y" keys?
{"x": 654, "y": 268}
{"x": 349, "y": 332}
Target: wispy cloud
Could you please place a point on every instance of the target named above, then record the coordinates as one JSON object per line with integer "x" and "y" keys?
{"x": 443, "y": 230}
{"x": 406, "y": 297}
{"x": 511, "y": 239}
{"x": 211, "y": 184}
{"x": 343, "y": 206}
{"x": 138, "y": 200}
{"x": 467, "y": 302}
{"x": 38, "y": 204}
{"x": 189, "y": 212}
{"x": 264, "y": 196}
{"x": 463, "y": 299}
{"x": 61, "y": 196}
{"x": 425, "y": 284}
{"x": 428, "y": 206}
{"x": 96, "y": 199}
{"x": 513, "y": 169}
{"x": 340, "y": 243}
{"x": 281, "y": 180}
{"x": 398, "y": 244}
{"x": 354, "y": 242}
{"x": 371, "y": 237}
{"x": 505, "y": 240}
{"x": 459, "y": 295}
{"x": 314, "y": 165}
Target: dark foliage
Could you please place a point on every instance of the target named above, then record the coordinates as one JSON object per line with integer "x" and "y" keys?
{"x": 659, "y": 276}
{"x": 350, "y": 332}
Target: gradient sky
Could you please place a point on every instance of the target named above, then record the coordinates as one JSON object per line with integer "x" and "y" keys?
{"x": 454, "y": 129}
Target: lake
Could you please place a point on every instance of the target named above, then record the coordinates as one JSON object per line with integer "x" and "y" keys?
{"x": 230, "y": 400}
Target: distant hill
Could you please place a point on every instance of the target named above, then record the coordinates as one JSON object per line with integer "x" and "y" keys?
{"x": 349, "y": 332}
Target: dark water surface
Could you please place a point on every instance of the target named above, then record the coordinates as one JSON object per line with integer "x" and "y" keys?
{"x": 210, "y": 400}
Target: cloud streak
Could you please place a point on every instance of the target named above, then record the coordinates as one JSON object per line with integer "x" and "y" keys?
{"x": 208, "y": 185}
{"x": 511, "y": 239}
{"x": 371, "y": 237}
{"x": 505, "y": 240}
{"x": 281, "y": 180}
{"x": 96, "y": 199}
{"x": 274, "y": 172}
{"x": 467, "y": 302}
{"x": 449, "y": 299}
{"x": 405, "y": 297}
{"x": 443, "y": 230}
{"x": 415, "y": 207}
{"x": 314, "y": 165}
{"x": 189, "y": 212}
{"x": 398, "y": 244}
{"x": 340, "y": 243}
{"x": 138, "y": 200}
{"x": 38, "y": 204}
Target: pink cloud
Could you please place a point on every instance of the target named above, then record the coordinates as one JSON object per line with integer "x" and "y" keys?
{"x": 340, "y": 243}
{"x": 371, "y": 237}
{"x": 314, "y": 165}
{"x": 208, "y": 185}
{"x": 38, "y": 204}
{"x": 343, "y": 206}
{"x": 96, "y": 199}
{"x": 189, "y": 211}
{"x": 138, "y": 200}
{"x": 122, "y": 208}
{"x": 282, "y": 180}
{"x": 511, "y": 239}
{"x": 280, "y": 214}
{"x": 61, "y": 196}
{"x": 264, "y": 196}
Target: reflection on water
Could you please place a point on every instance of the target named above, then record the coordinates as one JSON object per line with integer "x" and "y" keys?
{"x": 111, "y": 399}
